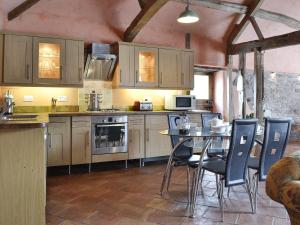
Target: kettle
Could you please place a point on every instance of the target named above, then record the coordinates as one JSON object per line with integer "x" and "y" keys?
{"x": 8, "y": 102}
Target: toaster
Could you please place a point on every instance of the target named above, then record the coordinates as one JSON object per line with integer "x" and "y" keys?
{"x": 146, "y": 106}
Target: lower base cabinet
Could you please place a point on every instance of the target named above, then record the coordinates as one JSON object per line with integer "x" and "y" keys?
{"x": 136, "y": 137}
{"x": 81, "y": 140}
{"x": 157, "y": 144}
{"x": 59, "y": 141}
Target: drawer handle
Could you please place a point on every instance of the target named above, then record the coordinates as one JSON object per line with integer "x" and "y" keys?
{"x": 49, "y": 141}
{"x": 80, "y": 74}
{"x": 147, "y": 132}
{"x": 120, "y": 76}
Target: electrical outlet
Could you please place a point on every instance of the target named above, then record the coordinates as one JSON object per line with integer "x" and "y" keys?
{"x": 62, "y": 99}
{"x": 28, "y": 98}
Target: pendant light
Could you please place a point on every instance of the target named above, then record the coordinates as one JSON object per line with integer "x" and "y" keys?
{"x": 188, "y": 16}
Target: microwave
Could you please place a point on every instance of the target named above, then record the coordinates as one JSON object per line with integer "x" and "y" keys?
{"x": 180, "y": 102}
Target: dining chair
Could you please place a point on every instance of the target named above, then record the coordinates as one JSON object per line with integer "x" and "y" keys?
{"x": 216, "y": 149}
{"x": 276, "y": 136}
{"x": 181, "y": 154}
{"x": 233, "y": 170}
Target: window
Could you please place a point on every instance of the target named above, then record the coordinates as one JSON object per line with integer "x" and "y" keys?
{"x": 201, "y": 87}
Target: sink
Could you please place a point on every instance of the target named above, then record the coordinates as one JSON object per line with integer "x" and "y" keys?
{"x": 19, "y": 117}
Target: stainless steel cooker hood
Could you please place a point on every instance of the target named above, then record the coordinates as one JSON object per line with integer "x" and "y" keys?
{"x": 100, "y": 62}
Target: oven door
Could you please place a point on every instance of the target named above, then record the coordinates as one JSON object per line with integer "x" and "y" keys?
{"x": 109, "y": 138}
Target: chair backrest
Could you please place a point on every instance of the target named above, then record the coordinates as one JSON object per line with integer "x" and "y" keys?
{"x": 276, "y": 135}
{"x": 207, "y": 117}
{"x": 242, "y": 139}
{"x": 185, "y": 151}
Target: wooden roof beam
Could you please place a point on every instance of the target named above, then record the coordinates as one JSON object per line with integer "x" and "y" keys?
{"x": 242, "y": 9}
{"x": 152, "y": 7}
{"x": 256, "y": 28}
{"x": 21, "y": 8}
{"x": 143, "y": 3}
{"x": 239, "y": 29}
{"x": 266, "y": 44}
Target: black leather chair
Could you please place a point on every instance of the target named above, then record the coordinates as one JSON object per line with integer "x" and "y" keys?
{"x": 233, "y": 170}
{"x": 276, "y": 136}
{"x": 217, "y": 149}
{"x": 181, "y": 155}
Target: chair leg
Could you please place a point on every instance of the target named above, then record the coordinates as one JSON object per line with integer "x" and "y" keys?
{"x": 255, "y": 190}
{"x": 169, "y": 177}
{"x": 220, "y": 190}
{"x": 249, "y": 191}
{"x": 192, "y": 194}
{"x": 188, "y": 186}
{"x": 228, "y": 192}
{"x": 165, "y": 177}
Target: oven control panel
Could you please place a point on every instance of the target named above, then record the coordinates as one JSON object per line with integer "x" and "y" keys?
{"x": 109, "y": 119}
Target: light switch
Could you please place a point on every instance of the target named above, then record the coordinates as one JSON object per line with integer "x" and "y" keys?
{"x": 28, "y": 98}
{"x": 62, "y": 99}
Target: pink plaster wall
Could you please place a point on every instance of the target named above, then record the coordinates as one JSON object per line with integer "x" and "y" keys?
{"x": 106, "y": 21}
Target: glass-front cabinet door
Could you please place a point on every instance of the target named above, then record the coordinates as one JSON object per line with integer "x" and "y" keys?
{"x": 48, "y": 60}
{"x": 146, "y": 67}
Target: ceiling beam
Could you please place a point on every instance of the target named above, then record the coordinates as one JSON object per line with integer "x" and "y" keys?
{"x": 21, "y": 8}
{"x": 256, "y": 28}
{"x": 266, "y": 44}
{"x": 239, "y": 29}
{"x": 242, "y": 9}
{"x": 143, "y": 18}
{"x": 143, "y": 3}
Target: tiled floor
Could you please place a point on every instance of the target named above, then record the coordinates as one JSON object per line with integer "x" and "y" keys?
{"x": 131, "y": 197}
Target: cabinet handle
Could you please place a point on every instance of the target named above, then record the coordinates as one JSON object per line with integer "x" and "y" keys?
{"x": 61, "y": 72}
{"x": 49, "y": 141}
{"x": 87, "y": 137}
{"x": 130, "y": 136}
{"x": 161, "y": 77}
{"x": 80, "y": 74}
{"x": 27, "y": 71}
{"x": 120, "y": 76}
{"x": 182, "y": 78}
{"x": 147, "y": 134}
{"x": 136, "y": 76}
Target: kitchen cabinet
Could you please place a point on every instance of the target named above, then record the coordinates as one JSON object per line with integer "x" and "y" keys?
{"x": 169, "y": 68}
{"x": 17, "y": 59}
{"x": 74, "y": 62}
{"x": 49, "y": 60}
{"x": 187, "y": 70}
{"x": 156, "y": 144}
{"x": 125, "y": 70}
{"x": 136, "y": 139}
{"x": 81, "y": 140}
{"x": 1, "y": 57}
{"x": 59, "y": 141}
{"x": 146, "y": 66}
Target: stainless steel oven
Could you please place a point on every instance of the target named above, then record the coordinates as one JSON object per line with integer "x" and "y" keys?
{"x": 109, "y": 134}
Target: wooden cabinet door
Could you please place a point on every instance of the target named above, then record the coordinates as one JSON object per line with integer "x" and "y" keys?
{"x": 187, "y": 70}
{"x": 1, "y": 57}
{"x": 81, "y": 140}
{"x": 74, "y": 62}
{"x": 169, "y": 68}
{"x": 157, "y": 144}
{"x": 126, "y": 65}
{"x": 146, "y": 66}
{"x": 49, "y": 61}
{"x": 59, "y": 141}
{"x": 136, "y": 140}
{"x": 17, "y": 59}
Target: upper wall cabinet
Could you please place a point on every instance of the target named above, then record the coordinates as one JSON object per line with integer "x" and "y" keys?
{"x": 49, "y": 60}
{"x": 17, "y": 59}
{"x": 169, "y": 68}
{"x": 42, "y": 61}
{"x": 144, "y": 66}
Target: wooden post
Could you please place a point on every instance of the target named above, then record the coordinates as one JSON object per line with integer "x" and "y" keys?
{"x": 188, "y": 40}
{"x": 242, "y": 68}
{"x": 229, "y": 100}
{"x": 259, "y": 72}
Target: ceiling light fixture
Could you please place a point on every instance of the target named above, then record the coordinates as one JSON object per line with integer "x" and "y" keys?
{"x": 188, "y": 16}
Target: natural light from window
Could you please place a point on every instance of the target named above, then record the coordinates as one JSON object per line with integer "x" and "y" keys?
{"x": 201, "y": 87}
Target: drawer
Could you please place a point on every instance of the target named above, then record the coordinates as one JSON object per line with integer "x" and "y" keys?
{"x": 59, "y": 119}
{"x": 81, "y": 121}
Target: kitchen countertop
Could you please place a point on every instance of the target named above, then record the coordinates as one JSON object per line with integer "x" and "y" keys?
{"x": 90, "y": 113}
{"x": 41, "y": 121}
{"x": 43, "y": 118}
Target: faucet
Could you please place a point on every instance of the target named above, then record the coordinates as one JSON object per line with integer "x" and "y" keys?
{"x": 5, "y": 109}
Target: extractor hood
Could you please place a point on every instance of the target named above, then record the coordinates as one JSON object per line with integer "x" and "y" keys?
{"x": 100, "y": 62}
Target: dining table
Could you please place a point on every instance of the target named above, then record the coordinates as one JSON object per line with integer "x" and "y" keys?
{"x": 189, "y": 138}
